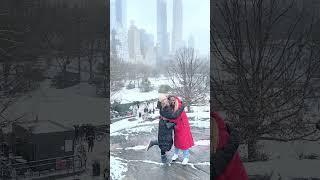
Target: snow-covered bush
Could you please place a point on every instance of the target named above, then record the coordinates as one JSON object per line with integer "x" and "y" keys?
{"x": 164, "y": 88}
{"x": 145, "y": 86}
{"x": 131, "y": 86}
{"x": 311, "y": 156}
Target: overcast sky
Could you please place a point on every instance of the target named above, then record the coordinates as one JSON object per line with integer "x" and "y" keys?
{"x": 196, "y": 19}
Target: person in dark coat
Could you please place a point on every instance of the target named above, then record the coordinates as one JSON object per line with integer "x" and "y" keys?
{"x": 165, "y": 138}
{"x": 90, "y": 143}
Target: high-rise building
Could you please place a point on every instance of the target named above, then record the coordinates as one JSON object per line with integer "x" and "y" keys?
{"x": 143, "y": 41}
{"x": 191, "y": 42}
{"x": 176, "y": 40}
{"x": 134, "y": 44}
{"x": 118, "y": 25}
{"x": 162, "y": 34}
{"x": 121, "y": 13}
{"x": 112, "y": 15}
{"x": 122, "y": 37}
{"x": 147, "y": 48}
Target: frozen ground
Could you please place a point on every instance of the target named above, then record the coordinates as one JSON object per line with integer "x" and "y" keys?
{"x": 130, "y": 160}
{"x": 69, "y": 106}
{"x": 284, "y": 160}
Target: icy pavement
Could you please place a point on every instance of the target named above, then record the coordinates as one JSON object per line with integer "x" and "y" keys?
{"x": 130, "y": 160}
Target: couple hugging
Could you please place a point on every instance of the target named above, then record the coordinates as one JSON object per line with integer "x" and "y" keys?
{"x": 173, "y": 118}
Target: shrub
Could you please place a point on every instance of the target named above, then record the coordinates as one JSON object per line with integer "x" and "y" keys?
{"x": 131, "y": 86}
{"x": 145, "y": 86}
{"x": 164, "y": 88}
{"x": 311, "y": 156}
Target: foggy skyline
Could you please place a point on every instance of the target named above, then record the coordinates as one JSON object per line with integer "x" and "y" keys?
{"x": 196, "y": 20}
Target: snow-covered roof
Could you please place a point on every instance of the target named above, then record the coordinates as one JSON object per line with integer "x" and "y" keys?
{"x": 69, "y": 106}
{"x": 43, "y": 126}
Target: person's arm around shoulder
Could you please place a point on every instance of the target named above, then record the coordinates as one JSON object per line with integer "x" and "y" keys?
{"x": 171, "y": 114}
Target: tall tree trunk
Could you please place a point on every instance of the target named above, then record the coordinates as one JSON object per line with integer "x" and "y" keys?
{"x": 252, "y": 149}
{"x": 91, "y": 60}
{"x": 90, "y": 69}
{"x": 6, "y": 71}
{"x": 79, "y": 67}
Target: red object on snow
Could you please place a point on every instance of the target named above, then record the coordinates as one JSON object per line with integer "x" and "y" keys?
{"x": 235, "y": 169}
{"x": 182, "y": 132}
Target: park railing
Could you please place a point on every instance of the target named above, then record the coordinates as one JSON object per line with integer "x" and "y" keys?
{"x": 59, "y": 166}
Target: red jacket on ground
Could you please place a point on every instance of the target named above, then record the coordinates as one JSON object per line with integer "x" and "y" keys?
{"x": 235, "y": 170}
{"x": 182, "y": 132}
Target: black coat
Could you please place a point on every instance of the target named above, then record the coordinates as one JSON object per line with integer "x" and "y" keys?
{"x": 220, "y": 160}
{"x": 165, "y": 136}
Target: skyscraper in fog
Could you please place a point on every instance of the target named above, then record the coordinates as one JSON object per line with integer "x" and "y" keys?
{"x": 112, "y": 15}
{"x": 134, "y": 43}
{"x": 191, "y": 42}
{"x": 162, "y": 34}
{"x": 121, "y": 13}
{"x": 177, "y": 25}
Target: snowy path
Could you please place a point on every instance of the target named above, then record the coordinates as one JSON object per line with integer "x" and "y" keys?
{"x": 130, "y": 160}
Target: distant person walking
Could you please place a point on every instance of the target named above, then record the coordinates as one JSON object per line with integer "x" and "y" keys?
{"x": 90, "y": 143}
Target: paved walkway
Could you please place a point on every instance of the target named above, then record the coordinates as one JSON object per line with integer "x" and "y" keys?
{"x": 131, "y": 161}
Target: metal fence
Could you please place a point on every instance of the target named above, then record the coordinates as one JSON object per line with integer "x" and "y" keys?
{"x": 60, "y": 166}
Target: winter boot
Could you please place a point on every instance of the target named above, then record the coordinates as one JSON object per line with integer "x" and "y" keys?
{"x": 185, "y": 161}
{"x": 175, "y": 157}
{"x": 164, "y": 159}
{"x": 152, "y": 143}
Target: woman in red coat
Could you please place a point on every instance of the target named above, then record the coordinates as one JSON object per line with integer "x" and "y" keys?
{"x": 234, "y": 169}
{"x": 183, "y": 139}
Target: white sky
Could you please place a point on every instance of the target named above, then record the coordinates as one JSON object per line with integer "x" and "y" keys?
{"x": 196, "y": 19}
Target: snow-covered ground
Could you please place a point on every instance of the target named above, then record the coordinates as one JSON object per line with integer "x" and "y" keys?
{"x": 129, "y": 139}
{"x": 284, "y": 160}
{"x": 131, "y": 95}
{"x": 74, "y": 105}
{"x": 70, "y": 106}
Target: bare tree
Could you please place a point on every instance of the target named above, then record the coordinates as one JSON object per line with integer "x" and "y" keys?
{"x": 189, "y": 75}
{"x": 18, "y": 61}
{"x": 117, "y": 74}
{"x": 263, "y": 58}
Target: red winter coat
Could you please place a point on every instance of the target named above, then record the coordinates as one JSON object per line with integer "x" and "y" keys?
{"x": 182, "y": 132}
{"x": 235, "y": 170}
